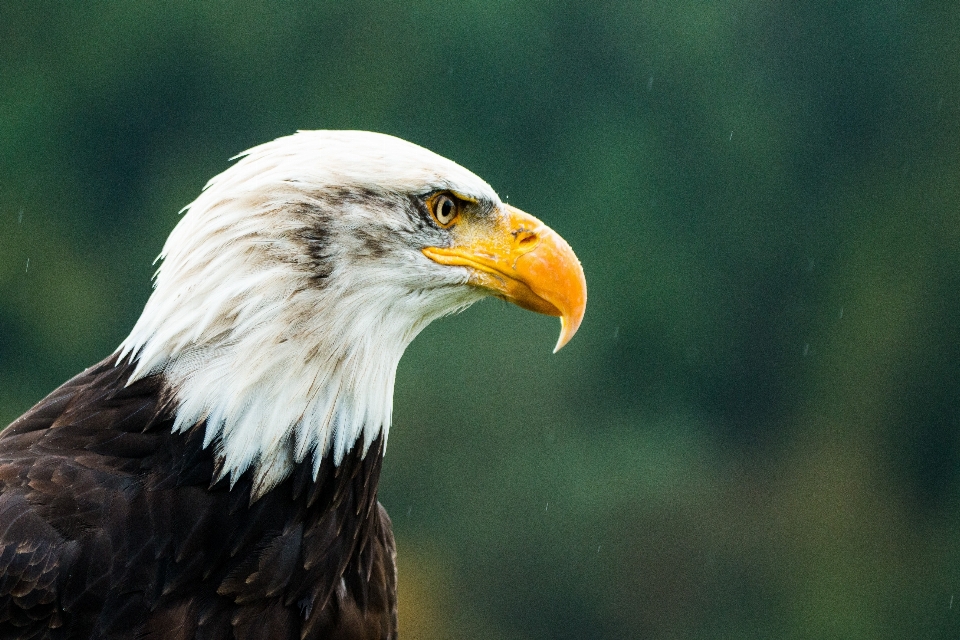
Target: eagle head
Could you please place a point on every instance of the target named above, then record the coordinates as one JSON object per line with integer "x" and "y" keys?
{"x": 291, "y": 286}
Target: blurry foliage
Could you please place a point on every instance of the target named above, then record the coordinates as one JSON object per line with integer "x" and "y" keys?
{"x": 755, "y": 434}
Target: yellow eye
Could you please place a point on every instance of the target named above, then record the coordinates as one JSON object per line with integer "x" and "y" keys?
{"x": 445, "y": 209}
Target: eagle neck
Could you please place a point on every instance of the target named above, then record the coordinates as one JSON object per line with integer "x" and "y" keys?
{"x": 283, "y": 390}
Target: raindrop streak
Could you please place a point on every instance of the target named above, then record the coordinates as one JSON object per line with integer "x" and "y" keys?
{"x": 951, "y": 602}
{"x": 841, "y": 313}
{"x": 547, "y": 506}
{"x": 806, "y": 349}
{"x": 28, "y": 266}
{"x": 20, "y": 217}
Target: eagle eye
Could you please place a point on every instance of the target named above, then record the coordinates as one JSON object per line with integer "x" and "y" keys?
{"x": 445, "y": 209}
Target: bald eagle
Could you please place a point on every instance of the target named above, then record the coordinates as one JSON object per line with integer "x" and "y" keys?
{"x": 216, "y": 476}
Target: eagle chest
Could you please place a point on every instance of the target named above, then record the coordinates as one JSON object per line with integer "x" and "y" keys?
{"x": 122, "y": 535}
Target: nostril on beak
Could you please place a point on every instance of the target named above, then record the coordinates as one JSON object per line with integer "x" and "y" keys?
{"x": 525, "y": 241}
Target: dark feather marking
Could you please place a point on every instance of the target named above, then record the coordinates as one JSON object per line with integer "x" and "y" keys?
{"x": 373, "y": 245}
{"x": 322, "y": 208}
{"x": 417, "y": 213}
{"x": 316, "y": 238}
{"x": 112, "y": 526}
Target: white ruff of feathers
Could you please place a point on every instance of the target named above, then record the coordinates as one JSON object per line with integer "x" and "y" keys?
{"x": 280, "y": 364}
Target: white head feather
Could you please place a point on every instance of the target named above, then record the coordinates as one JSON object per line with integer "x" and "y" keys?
{"x": 289, "y": 291}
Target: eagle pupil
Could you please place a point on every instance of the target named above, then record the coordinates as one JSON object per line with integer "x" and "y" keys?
{"x": 446, "y": 211}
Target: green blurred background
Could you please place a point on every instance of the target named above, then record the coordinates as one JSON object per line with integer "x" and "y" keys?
{"x": 755, "y": 433}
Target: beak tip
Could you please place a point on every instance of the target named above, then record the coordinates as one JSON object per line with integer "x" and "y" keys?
{"x": 568, "y": 328}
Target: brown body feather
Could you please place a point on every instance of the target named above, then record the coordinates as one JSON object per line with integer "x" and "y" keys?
{"x": 111, "y": 527}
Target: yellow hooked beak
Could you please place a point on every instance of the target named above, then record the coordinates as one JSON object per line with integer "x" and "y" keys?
{"x": 524, "y": 261}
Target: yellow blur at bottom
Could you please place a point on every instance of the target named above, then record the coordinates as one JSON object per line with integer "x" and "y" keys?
{"x": 432, "y": 604}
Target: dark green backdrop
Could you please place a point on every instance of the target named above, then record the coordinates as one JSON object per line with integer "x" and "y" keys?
{"x": 754, "y": 435}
